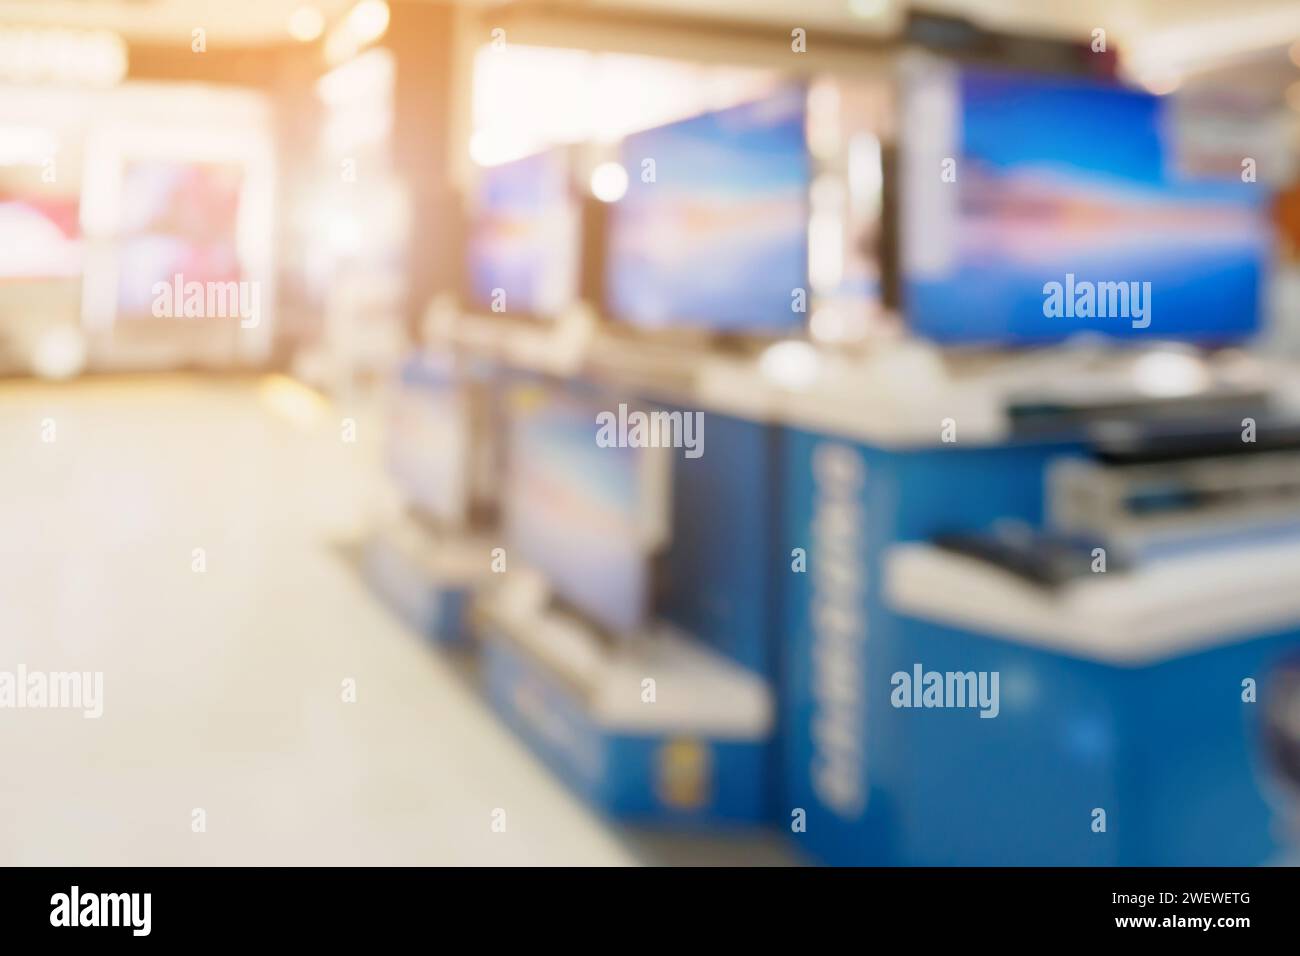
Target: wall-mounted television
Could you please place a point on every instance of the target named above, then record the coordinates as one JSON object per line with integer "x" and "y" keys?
{"x": 177, "y": 218}
{"x": 40, "y": 235}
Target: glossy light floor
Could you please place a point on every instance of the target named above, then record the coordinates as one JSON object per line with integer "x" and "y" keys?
{"x": 224, "y": 669}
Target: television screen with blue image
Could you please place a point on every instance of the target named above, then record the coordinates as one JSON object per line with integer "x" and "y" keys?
{"x": 712, "y": 232}
{"x": 41, "y": 236}
{"x": 588, "y": 517}
{"x": 524, "y": 235}
{"x": 430, "y": 438}
{"x": 178, "y": 218}
{"x": 1035, "y": 208}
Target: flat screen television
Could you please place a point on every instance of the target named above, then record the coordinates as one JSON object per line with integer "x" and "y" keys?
{"x": 444, "y": 438}
{"x": 1036, "y": 207}
{"x": 758, "y": 220}
{"x": 177, "y": 218}
{"x": 429, "y": 440}
{"x": 524, "y": 235}
{"x": 590, "y": 518}
{"x": 41, "y": 237}
{"x": 712, "y": 232}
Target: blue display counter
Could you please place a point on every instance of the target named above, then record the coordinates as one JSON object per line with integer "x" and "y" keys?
{"x": 1142, "y": 718}
{"x": 846, "y": 503}
{"x": 657, "y": 731}
{"x": 428, "y": 577}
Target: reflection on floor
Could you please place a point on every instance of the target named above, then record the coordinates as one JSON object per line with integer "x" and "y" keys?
{"x": 182, "y": 535}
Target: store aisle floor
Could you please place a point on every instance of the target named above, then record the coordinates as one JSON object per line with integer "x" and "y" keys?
{"x": 223, "y": 668}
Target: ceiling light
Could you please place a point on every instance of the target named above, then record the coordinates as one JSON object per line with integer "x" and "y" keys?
{"x": 868, "y": 9}
{"x": 1161, "y": 82}
{"x": 609, "y": 182}
{"x": 306, "y": 24}
{"x": 364, "y": 24}
{"x": 368, "y": 21}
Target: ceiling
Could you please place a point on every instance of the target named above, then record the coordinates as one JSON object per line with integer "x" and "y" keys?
{"x": 229, "y": 22}
{"x": 1185, "y": 35}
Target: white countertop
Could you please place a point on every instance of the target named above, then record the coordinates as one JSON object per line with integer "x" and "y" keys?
{"x": 1159, "y": 610}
